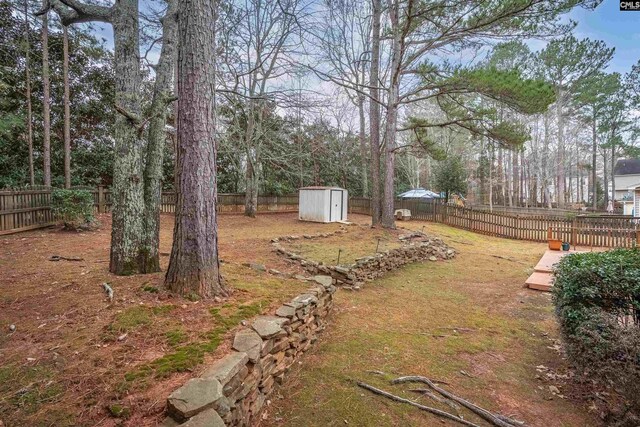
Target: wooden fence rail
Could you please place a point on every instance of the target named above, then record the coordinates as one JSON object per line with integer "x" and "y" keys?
{"x": 578, "y": 230}
{"x": 27, "y": 209}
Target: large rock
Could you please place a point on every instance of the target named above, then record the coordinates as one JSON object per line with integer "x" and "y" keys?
{"x": 208, "y": 418}
{"x": 224, "y": 369}
{"x": 194, "y": 397}
{"x": 303, "y": 300}
{"x": 248, "y": 341}
{"x": 269, "y": 326}
{"x": 286, "y": 311}
{"x": 325, "y": 281}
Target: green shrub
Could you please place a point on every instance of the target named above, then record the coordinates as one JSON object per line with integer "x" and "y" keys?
{"x": 73, "y": 207}
{"x": 597, "y": 299}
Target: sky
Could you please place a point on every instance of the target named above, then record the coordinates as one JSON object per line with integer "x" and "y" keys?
{"x": 616, "y": 28}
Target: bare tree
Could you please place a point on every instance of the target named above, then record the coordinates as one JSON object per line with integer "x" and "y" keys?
{"x": 130, "y": 228}
{"x": 46, "y": 103}
{"x": 345, "y": 36}
{"x": 127, "y": 189}
{"x": 156, "y": 139}
{"x": 67, "y": 108}
{"x": 374, "y": 113}
{"x": 27, "y": 70}
{"x": 260, "y": 40}
{"x": 194, "y": 266}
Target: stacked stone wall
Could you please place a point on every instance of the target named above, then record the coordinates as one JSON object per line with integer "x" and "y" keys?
{"x": 235, "y": 390}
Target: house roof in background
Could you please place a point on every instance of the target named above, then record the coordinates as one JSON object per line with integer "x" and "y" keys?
{"x": 419, "y": 193}
{"x": 627, "y": 167}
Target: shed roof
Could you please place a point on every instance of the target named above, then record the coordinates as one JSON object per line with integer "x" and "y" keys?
{"x": 320, "y": 188}
{"x": 627, "y": 167}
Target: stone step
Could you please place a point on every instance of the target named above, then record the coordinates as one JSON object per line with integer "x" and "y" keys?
{"x": 540, "y": 281}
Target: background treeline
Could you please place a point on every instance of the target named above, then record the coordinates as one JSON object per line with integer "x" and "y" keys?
{"x": 305, "y": 119}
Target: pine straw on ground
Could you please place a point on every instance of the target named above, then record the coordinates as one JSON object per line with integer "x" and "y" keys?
{"x": 76, "y": 359}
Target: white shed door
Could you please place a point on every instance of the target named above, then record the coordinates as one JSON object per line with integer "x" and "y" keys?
{"x": 336, "y": 205}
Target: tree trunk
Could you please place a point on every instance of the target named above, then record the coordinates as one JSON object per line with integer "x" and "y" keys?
{"x": 560, "y": 164}
{"x": 509, "y": 176}
{"x": 67, "y": 112}
{"x": 613, "y": 167}
{"x": 363, "y": 147}
{"x": 32, "y": 180}
{"x": 194, "y": 266}
{"x": 127, "y": 188}
{"x": 251, "y": 192}
{"x": 175, "y": 121}
{"x": 388, "y": 219}
{"x": 493, "y": 155}
{"x": 545, "y": 162}
{"x": 46, "y": 103}
{"x": 605, "y": 178}
{"x": 502, "y": 176}
{"x": 149, "y": 258}
{"x": 594, "y": 152}
{"x": 374, "y": 113}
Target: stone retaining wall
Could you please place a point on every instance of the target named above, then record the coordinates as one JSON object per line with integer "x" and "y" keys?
{"x": 416, "y": 247}
{"x": 234, "y": 391}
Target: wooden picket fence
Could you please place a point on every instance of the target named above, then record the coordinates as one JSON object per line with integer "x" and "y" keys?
{"x": 227, "y": 202}
{"x": 25, "y": 209}
{"x": 578, "y": 230}
{"x": 30, "y": 208}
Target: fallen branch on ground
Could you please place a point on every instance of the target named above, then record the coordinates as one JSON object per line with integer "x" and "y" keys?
{"x": 434, "y": 411}
{"x": 499, "y": 421}
{"x": 60, "y": 257}
{"x": 443, "y": 400}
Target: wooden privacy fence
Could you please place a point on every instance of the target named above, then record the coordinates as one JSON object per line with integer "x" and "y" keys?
{"x": 27, "y": 209}
{"x": 227, "y": 203}
{"x": 605, "y": 231}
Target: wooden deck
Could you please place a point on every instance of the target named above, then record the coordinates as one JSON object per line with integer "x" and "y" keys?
{"x": 542, "y": 277}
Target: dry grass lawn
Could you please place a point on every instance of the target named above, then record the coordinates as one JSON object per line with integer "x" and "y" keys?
{"x": 76, "y": 359}
{"x": 467, "y": 321}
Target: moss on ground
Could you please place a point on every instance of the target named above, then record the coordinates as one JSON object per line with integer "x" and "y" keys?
{"x": 35, "y": 386}
{"x": 188, "y": 356}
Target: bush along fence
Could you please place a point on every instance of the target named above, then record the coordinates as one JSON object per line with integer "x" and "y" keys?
{"x": 234, "y": 390}
{"x": 30, "y": 208}
{"x": 597, "y": 299}
{"x": 578, "y": 230}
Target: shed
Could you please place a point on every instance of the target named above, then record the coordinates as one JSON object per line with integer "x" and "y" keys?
{"x": 322, "y": 204}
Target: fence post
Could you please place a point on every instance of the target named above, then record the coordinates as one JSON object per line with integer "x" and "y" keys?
{"x": 574, "y": 233}
{"x": 101, "y": 206}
